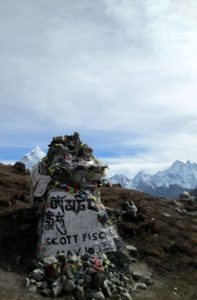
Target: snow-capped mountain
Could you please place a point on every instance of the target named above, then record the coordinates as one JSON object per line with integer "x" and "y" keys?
{"x": 122, "y": 180}
{"x": 33, "y": 157}
{"x": 140, "y": 177}
{"x": 170, "y": 182}
{"x": 181, "y": 174}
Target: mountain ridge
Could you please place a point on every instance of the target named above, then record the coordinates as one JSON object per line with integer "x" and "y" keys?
{"x": 33, "y": 157}
{"x": 170, "y": 182}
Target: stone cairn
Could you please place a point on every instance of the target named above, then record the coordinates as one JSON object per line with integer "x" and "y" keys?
{"x": 79, "y": 253}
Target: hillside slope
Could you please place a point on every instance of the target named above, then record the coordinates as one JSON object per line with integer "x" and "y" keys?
{"x": 14, "y": 185}
{"x": 164, "y": 232}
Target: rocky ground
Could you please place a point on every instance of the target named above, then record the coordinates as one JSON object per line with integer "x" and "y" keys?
{"x": 164, "y": 232}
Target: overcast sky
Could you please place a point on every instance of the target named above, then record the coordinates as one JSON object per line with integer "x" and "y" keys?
{"x": 123, "y": 73}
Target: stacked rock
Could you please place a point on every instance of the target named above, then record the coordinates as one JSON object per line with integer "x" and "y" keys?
{"x": 66, "y": 189}
{"x": 70, "y": 166}
{"x": 75, "y": 232}
{"x": 85, "y": 277}
{"x": 71, "y": 162}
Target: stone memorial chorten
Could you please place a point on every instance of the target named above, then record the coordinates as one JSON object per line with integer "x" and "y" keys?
{"x": 66, "y": 190}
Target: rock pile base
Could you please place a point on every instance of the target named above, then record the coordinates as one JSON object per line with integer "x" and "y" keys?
{"x": 73, "y": 220}
{"x": 83, "y": 277}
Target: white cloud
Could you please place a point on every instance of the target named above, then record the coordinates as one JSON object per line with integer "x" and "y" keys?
{"x": 124, "y": 71}
{"x": 130, "y": 166}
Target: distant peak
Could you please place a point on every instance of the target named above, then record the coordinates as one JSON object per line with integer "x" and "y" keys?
{"x": 33, "y": 157}
{"x": 177, "y": 162}
{"x": 142, "y": 173}
{"x": 36, "y": 149}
